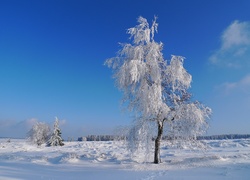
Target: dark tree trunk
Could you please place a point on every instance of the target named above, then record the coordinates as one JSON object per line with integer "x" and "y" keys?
{"x": 157, "y": 158}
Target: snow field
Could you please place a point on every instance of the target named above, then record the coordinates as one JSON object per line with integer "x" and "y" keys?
{"x": 223, "y": 159}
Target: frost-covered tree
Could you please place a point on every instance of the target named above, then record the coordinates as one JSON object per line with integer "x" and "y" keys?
{"x": 156, "y": 91}
{"x": 56, "y": 138}
{"x": 39, "y": 133}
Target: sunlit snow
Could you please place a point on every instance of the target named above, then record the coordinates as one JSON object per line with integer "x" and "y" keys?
{"x": 223, "y": 159}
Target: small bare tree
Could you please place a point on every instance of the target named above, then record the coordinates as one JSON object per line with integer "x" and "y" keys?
{"x": 155, "y": 90}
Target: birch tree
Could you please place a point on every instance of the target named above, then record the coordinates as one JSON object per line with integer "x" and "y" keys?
{"x": 156, "y": 91}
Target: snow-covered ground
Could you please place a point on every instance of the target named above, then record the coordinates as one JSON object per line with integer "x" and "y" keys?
{"x": 224, "y": 159}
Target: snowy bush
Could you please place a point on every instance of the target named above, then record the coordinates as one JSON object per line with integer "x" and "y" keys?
{"x": 70, "y": 157}
{"x": 39, "y": 133}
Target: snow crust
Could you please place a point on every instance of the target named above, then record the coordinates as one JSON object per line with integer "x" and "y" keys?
{"x": 223, "y": 159}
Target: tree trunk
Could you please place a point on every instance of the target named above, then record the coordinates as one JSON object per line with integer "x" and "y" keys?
{"x": 157, "y": 158}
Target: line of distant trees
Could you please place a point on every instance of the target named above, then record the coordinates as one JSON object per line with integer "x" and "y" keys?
{"x": 113, "y": 137}
{"x": 101, "y": 138}
{"x": 224, "y": 136}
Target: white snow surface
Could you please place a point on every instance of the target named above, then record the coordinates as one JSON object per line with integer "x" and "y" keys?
{"x": 223, "y": 159}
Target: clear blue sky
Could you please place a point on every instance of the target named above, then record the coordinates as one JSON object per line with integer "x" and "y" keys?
{"x": 52, "y": 55}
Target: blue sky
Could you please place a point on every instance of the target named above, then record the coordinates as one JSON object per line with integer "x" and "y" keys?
{"x": 52, "y": 55}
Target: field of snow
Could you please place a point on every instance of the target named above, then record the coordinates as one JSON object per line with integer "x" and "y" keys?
{"x": 224, "y": 159}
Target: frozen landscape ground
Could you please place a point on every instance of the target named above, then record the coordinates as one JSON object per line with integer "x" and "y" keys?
{"x": 224, "y": 159}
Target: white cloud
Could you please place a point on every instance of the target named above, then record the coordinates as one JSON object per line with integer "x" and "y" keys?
{"x": 11, "y": 128}
{"x": 235, "y": 46}
{"x": 29, "y": 123}
{"x": 242, "y": 86}
{"x": 238, "y": 33}
{"x": 63, "y": 122}
{"x": 19, "y": 129}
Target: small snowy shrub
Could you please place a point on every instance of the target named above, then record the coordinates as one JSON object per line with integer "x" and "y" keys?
{"x": 39, "y": 133}
{"x": 71, "y": 157}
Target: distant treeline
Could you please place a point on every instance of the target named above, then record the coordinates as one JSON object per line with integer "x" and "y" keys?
{"x": 101, "y": 138}
{"x": 224, "y": 136}
{"x": 213, "y": 137}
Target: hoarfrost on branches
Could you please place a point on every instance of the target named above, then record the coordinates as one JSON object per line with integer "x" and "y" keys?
{"x": 176, "y": 75}
{"x": 39, "y": 133}
{"x": 140, "y": 138}
{"x": 156, "y": 91}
